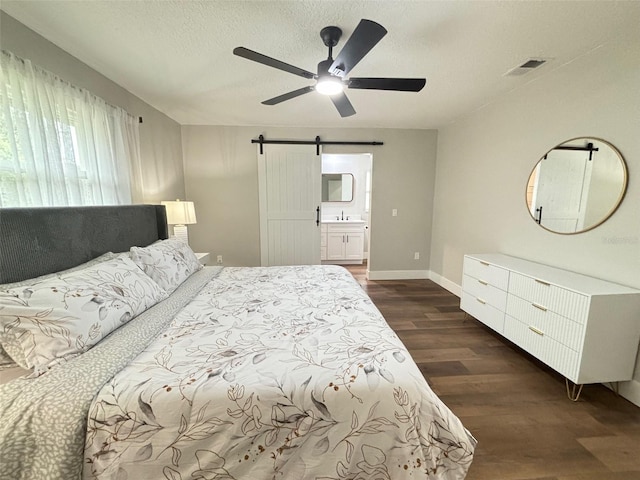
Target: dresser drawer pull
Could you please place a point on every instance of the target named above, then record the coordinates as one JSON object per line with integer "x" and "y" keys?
{"x": 486, "y": 264}
{"x": 542, "y": 282}
{"x": 539, "y": 307}
{"x": 535, "y": 330}
{"x": 483, "y": 282}
{"x": 481, "y": 300}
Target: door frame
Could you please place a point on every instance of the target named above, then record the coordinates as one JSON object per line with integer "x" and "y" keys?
{"x": 350, "y": 153}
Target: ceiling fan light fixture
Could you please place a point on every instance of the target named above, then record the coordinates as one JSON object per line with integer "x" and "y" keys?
{"x": 328, "y": 85}
{"x": 331, "y": 74}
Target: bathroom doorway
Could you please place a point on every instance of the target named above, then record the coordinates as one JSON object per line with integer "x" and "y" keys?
{"x": 347, "y": 181}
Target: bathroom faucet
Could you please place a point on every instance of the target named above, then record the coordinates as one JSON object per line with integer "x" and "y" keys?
{"x": 342, "y": 215}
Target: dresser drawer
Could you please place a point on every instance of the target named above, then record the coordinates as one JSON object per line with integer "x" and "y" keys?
{"x": 491, "y": 274}
{"x": 557, "y": 299}
{"x": 551, "y": 324}
{"x": 482, "y": 290}
{"x": 546, "y": 349}
{"x": 482, "y": 311}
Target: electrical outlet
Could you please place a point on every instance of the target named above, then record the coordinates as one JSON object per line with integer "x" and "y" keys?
{"x": 394, "y": 212}
{"x": 219, "y": 260}
{"x": 416, "y": 256}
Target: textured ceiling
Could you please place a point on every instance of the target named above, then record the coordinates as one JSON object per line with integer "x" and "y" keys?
{"x": 177, "y": 55}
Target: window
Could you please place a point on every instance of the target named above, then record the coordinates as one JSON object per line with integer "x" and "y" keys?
{"x": 59, "y": 144}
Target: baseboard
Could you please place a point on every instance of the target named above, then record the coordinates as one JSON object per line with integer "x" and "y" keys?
{"x": 631, "y": 391}
{"x": 398, "y": 274}
{"x": 446, "y": 284}
{"x": 341, "y": 262}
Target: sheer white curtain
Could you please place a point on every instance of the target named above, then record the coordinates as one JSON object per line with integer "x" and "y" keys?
{"x": 61, "y": 145}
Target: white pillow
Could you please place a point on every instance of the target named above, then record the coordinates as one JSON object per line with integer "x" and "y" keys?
{"x": 167, "y": 262}
{"x": 5, "y": 359}
{"x": 47, "y": 322}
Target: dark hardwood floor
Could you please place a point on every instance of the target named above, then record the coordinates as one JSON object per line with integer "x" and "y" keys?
{"x": 517, "y": 408}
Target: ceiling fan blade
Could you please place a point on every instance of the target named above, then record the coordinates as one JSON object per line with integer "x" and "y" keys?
{"x": 366, "y": 35}
{"x": 343, "y": 104}
{"x": 288, "y": 96}
{"x": 271, "y": 62}
{"x": 399, "y": 84}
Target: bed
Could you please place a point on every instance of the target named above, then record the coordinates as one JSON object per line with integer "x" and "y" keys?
{"x": 174, "y": 371}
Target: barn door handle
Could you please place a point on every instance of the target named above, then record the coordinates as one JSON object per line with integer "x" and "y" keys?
{"x": 318, "y": 216}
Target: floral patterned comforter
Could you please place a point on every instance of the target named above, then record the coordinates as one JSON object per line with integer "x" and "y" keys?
{"x": 275, "y": 372}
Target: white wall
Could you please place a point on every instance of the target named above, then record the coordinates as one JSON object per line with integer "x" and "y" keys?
{"x": 221, "y": 176}
{"x": 160, "y": 136}
{"x": 484, "y": 162}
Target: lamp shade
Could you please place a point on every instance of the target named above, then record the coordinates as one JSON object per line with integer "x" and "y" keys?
{"x": 180, "y": 213}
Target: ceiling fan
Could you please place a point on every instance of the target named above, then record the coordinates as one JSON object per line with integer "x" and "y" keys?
{"x": 331, "y": 77}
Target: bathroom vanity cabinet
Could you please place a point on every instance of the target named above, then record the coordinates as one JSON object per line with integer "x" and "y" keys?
{"x": 342, "y": 242}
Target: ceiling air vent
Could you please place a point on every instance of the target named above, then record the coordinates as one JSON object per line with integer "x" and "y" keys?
{"x": 526, "y": 67}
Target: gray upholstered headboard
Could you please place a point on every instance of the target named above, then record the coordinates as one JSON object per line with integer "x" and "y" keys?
{"x": 36, "y": 241}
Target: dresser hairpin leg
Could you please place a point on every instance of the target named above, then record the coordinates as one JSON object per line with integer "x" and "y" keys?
{"x": 574, "y": 392}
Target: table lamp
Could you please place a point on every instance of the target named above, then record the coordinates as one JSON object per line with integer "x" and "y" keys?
{"x": 180, "y": 214}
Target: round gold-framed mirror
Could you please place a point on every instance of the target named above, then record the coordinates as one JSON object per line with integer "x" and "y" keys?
{"x": 576, "y": 185}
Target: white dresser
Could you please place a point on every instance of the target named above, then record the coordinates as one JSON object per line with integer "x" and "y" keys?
{"x": 585, "y": 328}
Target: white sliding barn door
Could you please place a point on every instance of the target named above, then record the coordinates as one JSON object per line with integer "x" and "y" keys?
{"x": 290, "y": 187}
{"x": 563, "y": 209}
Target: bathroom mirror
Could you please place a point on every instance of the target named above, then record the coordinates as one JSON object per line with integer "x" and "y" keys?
{"x": 576, "y": 185}
{"x": 337, "y": 187}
